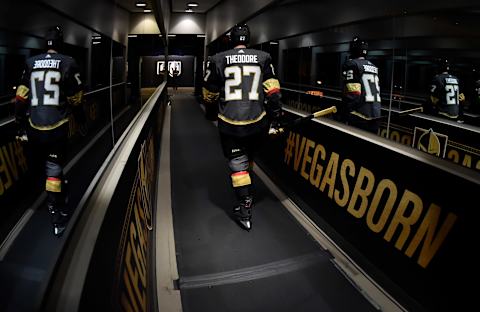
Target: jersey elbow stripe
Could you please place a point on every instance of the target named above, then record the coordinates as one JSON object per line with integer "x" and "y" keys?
{"x": 241, "y": 178}
{"x": 354, "y": 88}
{"x": 76, "y": 99}
{"x": 22, "y": 93}
{"x": 270, "y": 85}
{"x": 208, "y": 96}
{"x": 273, "y": 91}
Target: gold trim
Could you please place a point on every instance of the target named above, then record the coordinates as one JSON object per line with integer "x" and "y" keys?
{"x": 448, "y": 115}
{"x": 242, "y": 122}
{"x": 22, "y": 91}
{"x": 433, "y": 99}
{"x": 76, "y": 99}
{"x": 208, "y": 96}
{"x": 56, "y": 125}
{"x": 270, "y": 84}
{"x": 354, "y": 87}
{"x": 241, "y": 180}
{"x": 54, "y": 186}
{"x": 361, "y": 115}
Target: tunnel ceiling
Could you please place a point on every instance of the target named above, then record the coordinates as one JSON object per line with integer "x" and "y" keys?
{"x": 203, "y": 5}
{"x": 130, "y": 6}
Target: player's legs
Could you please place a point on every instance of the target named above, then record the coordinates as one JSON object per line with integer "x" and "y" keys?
{"x": 55, "y": 184}
{"x": 237, "y": 154}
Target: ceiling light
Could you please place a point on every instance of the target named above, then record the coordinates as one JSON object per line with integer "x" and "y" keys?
{"x": 273, "y": 42}
{"x": 200, "y": 36}
{"x": 192, "y": 4}
{"x": 188, "y": 10}
{"x": 172, "y": 35}
{"x": 140, "y": 4}
{"x": 147, "y": 11}
{"x": 132, "y": 36}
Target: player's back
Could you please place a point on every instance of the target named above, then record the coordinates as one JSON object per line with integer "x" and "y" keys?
{"x": 365, "y": 73}
{"x": 241, "y": 72}
{"x": 52, "y": 77}
{"x": 445, "y": 87}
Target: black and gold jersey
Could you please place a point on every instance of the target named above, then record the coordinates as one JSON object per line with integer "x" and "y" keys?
{"x": 240, "y": 80}
{"x": 361, "y": 89}
{"x": 445, "y": 95}
{"x": 50, "y": 82}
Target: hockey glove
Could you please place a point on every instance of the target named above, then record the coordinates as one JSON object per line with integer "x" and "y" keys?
{"x": 276, "y": 126}
{"x": 21, "y": 136}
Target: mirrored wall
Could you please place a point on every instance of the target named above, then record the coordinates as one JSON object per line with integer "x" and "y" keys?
{"x": 428, "y": 66}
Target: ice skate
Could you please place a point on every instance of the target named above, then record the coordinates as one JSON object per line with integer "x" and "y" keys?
{"x": 243, "y": 213}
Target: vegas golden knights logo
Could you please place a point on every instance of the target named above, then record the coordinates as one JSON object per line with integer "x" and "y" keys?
{"x": 174, "y": 67}
{"x": 430, "y": 142}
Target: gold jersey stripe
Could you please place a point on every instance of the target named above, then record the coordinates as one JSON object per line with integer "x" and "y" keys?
{"x": 208, "y": 96}
{"x": 56, "y": 125}
{"x": 53, "y": 186}
{"x": 361, "y": 115}
{"x": 270, "y": 84}
{"x": 242, "y": 122}
{"x": 22, "y": 92}
{"x": 241, "y": 179}
{"x": 448, "y": 115}
{"x": 76, "y": 99}
{"x": 354, "y": 88}
{"x": 434, "y": 99}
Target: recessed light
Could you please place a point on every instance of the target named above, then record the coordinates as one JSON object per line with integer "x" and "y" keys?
{"x": 147, "y": 11}
{"x": 192, "y": 4}
{"x": 172, "y": 35}
{"x": 132, "y": 36}
{"x": 200, "y": 36}
{"x": 188, "y": 10}
{"x": 273, "y": 42}
{"x": 140, "y": 4}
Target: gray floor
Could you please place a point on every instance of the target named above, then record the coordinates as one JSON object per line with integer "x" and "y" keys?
{"x": 275, "y": 267}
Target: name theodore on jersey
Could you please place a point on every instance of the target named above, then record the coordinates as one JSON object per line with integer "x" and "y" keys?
{"x": 42, "y": 64}
{"x": 370, "y": 69}
{"x": 241, "y": 58}
{"x": 451, "y": 80}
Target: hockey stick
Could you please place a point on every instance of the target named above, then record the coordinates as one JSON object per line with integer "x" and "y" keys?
{"x": 297, "y": 121}
{"x": 323, "y": 112}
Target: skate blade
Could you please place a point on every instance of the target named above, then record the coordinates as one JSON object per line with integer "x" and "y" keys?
{"x": 246, "y": 224}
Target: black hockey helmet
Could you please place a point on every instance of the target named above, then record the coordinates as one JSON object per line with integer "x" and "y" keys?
{"x": 54, "y": 38}
{"x": 240, "y": 34}
{"x": 358, "y": 47}
{"x": 443, "y": 64}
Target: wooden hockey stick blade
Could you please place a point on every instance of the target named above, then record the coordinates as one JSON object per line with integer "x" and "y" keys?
{"x": 323, "y": 112}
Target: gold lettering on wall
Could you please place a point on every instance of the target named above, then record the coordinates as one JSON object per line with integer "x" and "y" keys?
{"x": 398, "y": 215}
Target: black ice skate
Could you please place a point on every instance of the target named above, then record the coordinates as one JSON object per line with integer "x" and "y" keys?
{"x": 57, "y": 205}
{"x": 59, "y": 218}
{"x": 243, "y": 212}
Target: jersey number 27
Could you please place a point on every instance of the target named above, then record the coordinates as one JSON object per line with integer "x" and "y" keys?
{"x": 234, "y": 82}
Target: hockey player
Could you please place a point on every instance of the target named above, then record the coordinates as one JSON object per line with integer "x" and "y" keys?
{"x": 242, "y": 91}
{"x": 50, "y": 89}
{"x": 445, "y": 96}
{"x": 361, "y": 100}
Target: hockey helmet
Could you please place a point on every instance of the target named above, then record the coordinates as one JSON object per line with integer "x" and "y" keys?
{"x": 54, "y": 38}
{"x": 358, "y": 47}
{"x": 240, "y": 34}
{"x": 443, "y": 64}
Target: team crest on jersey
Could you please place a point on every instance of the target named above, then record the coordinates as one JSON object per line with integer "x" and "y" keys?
{"x": 429, "y": 141}
{"x": 172, "y": 66}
